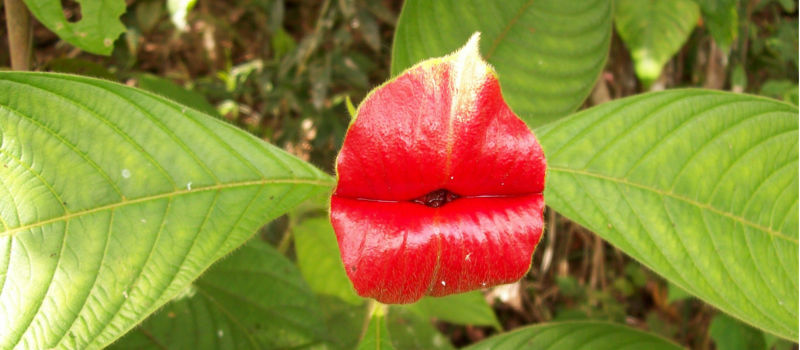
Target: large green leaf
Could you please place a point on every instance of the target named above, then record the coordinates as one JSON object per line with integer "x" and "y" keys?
{"x": 112, "y": 200}
{"x": 653, "y": 31}
{"x": 574, "y": 336}
{"x": 700, "y": 186}
{"x": 95, "y": 32}
{"x": 464, "y": 308}
{"x": 254, "y": 299}
{"x": 548, "y": 53}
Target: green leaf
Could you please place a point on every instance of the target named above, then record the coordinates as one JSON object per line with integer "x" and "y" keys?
{"x": 377, "y": 334}
{"x": 721, "y": 17}
{"x": 730, "y": 334}
{"x": 700, "y": 186}
{"x": 168, "y": 89}
{"x": 95, "y": 32}
{"x": 410, "y": 330}
{"x": 254, "y": 299}
{"x": 345, "y": 321}
{"x": 178, "y": 10}
{"x": 319, "y": 259}
{"x": 774, "y": 343}
{"x": 81, "y": 67}
{"x": 548, "y": 53}
{"x": 465, "y": 308}
{"x": 781, "y": 89}
{"x": 112, "y": 200}
{"x": 350, "y": 108}
{"x": 653, "y": 31}
{"x": 576, "y": 335}
{"x": 675, "y": 293}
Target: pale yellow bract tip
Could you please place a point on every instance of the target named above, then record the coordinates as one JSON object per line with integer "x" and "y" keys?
{"x": 468, "y": 74}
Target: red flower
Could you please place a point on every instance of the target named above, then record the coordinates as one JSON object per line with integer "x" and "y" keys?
{"x": 439, "y": 184}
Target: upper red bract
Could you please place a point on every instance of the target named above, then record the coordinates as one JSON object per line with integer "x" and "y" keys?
{"x": 402, "y": 145}
{"x": 436, "y": 197}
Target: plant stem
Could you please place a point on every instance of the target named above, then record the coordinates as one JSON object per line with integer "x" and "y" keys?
{"x": 283, "y": 245}
{"x": 20, "y": 34}
{"x": 371, "y": 305}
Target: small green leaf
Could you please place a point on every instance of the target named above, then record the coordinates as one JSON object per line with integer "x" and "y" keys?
{"x": 700, "y": 186}
{"x": 350, "y": 108}
{"x": 80, "y": 67}
{"x": 319, "y": 259}
{"x": 254, "y": 299}
{"x": 721, "y": 17}
{"x": 575, "y": 335}
{"x": 548, "y": 53}
{"x": 112, "y": 200}
{"x": 168, "y": 89}
{"x": 653, "y": 31}
{"x": 730, "y": 334}
{"x": 675, "y": 293}
{"x": 781, "y": 89}
{"x": 178, "y": 10}
{"x": 410, "y": 330}
{"x": 95, "y": 32}
{"x": 377, "y": 333}
{"x": 465, "y": 308}
{"x": 738, "y": 78}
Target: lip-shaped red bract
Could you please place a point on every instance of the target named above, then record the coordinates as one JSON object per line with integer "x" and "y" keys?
{"x": 440, "y": 129}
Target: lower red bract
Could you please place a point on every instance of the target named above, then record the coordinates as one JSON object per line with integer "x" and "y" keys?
{"x": 397, "y": 252}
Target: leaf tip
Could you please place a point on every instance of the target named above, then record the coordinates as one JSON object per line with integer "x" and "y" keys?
{"x": 351, "y": 109}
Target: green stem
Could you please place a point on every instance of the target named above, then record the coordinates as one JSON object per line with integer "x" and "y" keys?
{"x": 371, "y": 305}
{"x": 283, "y": 245}
{"x": 20, "y": 34}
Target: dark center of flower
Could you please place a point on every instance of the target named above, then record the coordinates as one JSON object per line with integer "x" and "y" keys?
{"x": 436, "y": 198}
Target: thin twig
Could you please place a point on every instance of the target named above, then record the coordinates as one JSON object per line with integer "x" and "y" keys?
{"x": 20, "y": 34}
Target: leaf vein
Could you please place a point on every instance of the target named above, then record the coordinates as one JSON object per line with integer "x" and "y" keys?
{"x": 178, "y": 192}
{"x": 706, "y": 206}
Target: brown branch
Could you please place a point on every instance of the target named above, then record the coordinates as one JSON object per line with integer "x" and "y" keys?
{"x": 20, "y": 34}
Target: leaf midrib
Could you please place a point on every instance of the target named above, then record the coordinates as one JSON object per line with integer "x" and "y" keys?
{"x": 180, "y": 192}
{"x": 671, "y": 194}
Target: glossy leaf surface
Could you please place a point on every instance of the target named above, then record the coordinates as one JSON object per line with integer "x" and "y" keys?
{"x": 700, "y": 186}
{"x": 548, "y": 53}
{"x": 253, "y": 299}
{"x": 439, "y": 188}
{"x": 95, "y": 32}
{"x": 653, "y": 31}
{"x": 112, "y": 200}
{"x": 581, "y": 335}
